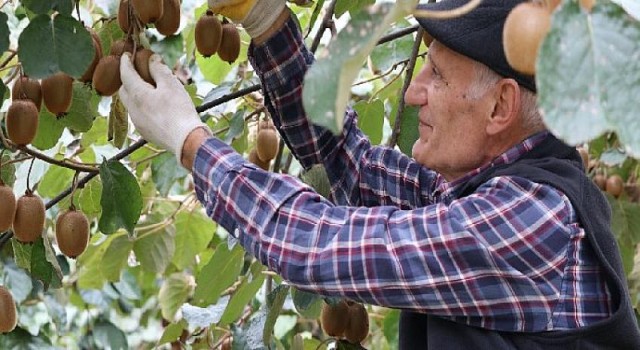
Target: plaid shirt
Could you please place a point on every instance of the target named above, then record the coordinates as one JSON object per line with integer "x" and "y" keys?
{"x": 509, "y": 257}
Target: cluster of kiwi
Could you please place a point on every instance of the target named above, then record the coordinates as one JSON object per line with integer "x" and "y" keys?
{"x": 267, "y": 145}
{"x": 345, "y": 319}
{"x": 612, "y": 184}
{"x": 524, "y": 30}
{"x": 213, "y": 36}
{"x": 8, "y": 313}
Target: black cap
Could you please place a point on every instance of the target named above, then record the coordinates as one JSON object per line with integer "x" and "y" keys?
{"x": 477, "y": 34}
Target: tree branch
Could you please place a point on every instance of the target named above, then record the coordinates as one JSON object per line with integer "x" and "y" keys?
{"x": 61, "y": 163}
{"x": 407, "y": 80}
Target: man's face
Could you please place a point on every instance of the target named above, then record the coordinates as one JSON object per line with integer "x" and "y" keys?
{"x": 452, "y": 117}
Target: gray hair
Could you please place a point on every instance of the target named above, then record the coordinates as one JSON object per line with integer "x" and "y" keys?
{"x": 486, "y": 78}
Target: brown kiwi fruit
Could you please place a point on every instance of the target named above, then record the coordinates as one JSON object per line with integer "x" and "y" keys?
{"x": 208, "y": 34}
{"x": 22, "y": 122}
{"x": 8, "y": 207}
{"x": 358, "y": 327}
{"x": 600, "y": 181}
{"x": 8, "y": 313}
{"x": 614, "y": 185}
{"x": 97, "y": 46}
{"x": 524, "y": 29}
{"x": 106, "y": 78}
{"x": 335, "y": 318}
{"x": 121, "y": 46}
{"x": 72, "y": 233}
{"x": 27, "y": 88}
{"x": 253, "y": 158}
{"x": 29, "y": 220}
{"x": 169, "y": 23}
{"x": 57, "y": 92}
{"x": 123, "y": 16}
{"x": 148, "y": 11}
{"x": 141, "y": 63}
{"x": 267, "y": 144}
{"x": 229, "y": 49}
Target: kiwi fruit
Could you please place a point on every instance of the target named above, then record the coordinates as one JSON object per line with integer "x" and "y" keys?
{"x": 253, "y": 158}
{"x": 22, "y": 122}
{"x": 524, "y": 29}
{"x": 600, "y": 181}
{"x": 123, "y": 16}
{"x": 358, "y": 327}
{"x": 8, "y": 313}
{"x": 141, "y": 63}
{"x": 208, "y": 34}
{"x": 267, "y": 144}
{"x": 27, "y": 88}
{"x": 148, "y": 11}
{"x": 8, "y": 207}
{"x": 106, "y": 78}
{"x": 57, "y": 92}
{"x": 614, "y": 185}
{"x": 121, "y": 46}
{"x": 335, "y": 318}
{"x": 29, "y": 220}
{"x": 229, "y": 49}
{"x": 97, "y": 46}
{"x": 72, "y": 233}
{"x": 169, "y": 23}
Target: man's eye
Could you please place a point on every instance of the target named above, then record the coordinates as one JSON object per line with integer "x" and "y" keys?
{"x": 435, "y": 71}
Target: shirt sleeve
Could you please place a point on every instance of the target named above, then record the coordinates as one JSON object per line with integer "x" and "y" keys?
{"x": 494, "y": 259}
{"x": 360, "y": 174}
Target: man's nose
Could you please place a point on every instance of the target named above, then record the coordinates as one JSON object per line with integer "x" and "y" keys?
{"x": 416, "y": 94}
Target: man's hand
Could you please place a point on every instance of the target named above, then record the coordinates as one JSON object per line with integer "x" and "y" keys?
{"x": 165, "y": 114}
{"x": 256, "y": 16}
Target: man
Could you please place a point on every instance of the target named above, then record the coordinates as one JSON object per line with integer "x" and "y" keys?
{"x": 490, "y": 237}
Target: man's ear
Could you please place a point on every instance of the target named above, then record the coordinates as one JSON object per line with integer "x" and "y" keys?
{"x": 507, "y": 106}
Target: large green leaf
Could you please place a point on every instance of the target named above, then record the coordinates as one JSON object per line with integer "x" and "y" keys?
{"x": 20, "y": 339}
{"x": 7, "y": 172}
{"x": 4, "y": 32}
{"x": 174, "y": 292}
{"x": 91, "y": 261}
{"x": 49, "y": 45}
{"x": 54, "y": 181}
{"x": 244, "y": 294}
{"x": 371, "y": 119}
{"x": 172, "y": 332}
{"x": 22, "y": 254}
{"x": 327, "y": 84}
{"x": 44, "y": 265}
{"x": 121, "y": 198}
{"x": 307, "y": 304}
{"x": 89, "y": 199}
{"x": 625, "y": 224}
{"x": 108, "y": 336}
{"x": 154, "y": 250}
{"x": 588, "y": 72}
{"x": 18, "y": 281}
{"x": 275, "y": 301}
{"x": 408, "y": 129}
{"x": 49, "y": 130}
{"x": 194, "y": 231}
{"x": 44, "y": 6}
{"x": 83, "y": 108}
{"x": 220, "y": 273}
{"x": 385, "y": 56}
{"x": 115, "y": 257}
{"x": 166, "y": 171}
{"x": 342, "y": 6}
{"x": 204, "y": 317}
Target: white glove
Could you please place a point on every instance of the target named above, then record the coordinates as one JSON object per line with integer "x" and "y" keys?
{"x": 256, "y": 16}
{"x": 165, "y": 114}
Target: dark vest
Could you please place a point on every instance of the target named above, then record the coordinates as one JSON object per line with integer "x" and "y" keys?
{"x": 558, "y": 165}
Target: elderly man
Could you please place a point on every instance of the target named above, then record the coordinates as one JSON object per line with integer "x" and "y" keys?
{"x": 490, "y": 237}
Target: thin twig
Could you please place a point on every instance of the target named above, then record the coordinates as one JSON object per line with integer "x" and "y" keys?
{"x": 61, "y": 163}
{"x": 393, "y": 140}
{"x": 326, "y": 23}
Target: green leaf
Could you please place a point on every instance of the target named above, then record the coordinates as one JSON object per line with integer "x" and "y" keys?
{"x": 170, "y": 48}
{"x": 54, "y": 181}
{"x": 625, "y": 224}
{"x": 118, "y": 122}
{"x": 588, "y": 72}
{"x": 327, "y": 85}
{"x": 342, "y": 6}
{"x": 7, "y": 172}
{"x": 115, "y": 257}
{"x": 317, "y": 178}
{"x": 204, "y": 317}
{"x": 307, "y": 304}
{"x": 22, "y": 254}
{"x": 631, "y": 6}
{"x": 83, "y": 108}
{"x": 20, "y": 339}
{"x": 385, "y": 56}
{"x": 97, "y": 135}
{"x": 174, "y": 292}
{"x": 194, "y": 231}
{"x": 391, "y": 322}
{"x": 17, "y": 281}
{"x": 4, "y": 35}
{"x": 213, "y": 68}
{"x": 220, "y": 273}
{"x": 44, "y": 265}
{"x": 154, "y": 250}
{"x": 44, "y": 6}
{"x": 172, "y": 333}
{"x": 49, "y": 130}
{"x": 108, "y": 336}
{"x": 123, "y": 205}
{"x": 371, "y": 119}
{"x": 50, "y": 45}
{"x": 166, "y": 171}
{"x": 89, "y": 199}
{"x": 275, "y": 301}
{"x": 236, "y": 126}
{"x": 244, "y": 294}
{"x": 408, "y": 129}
